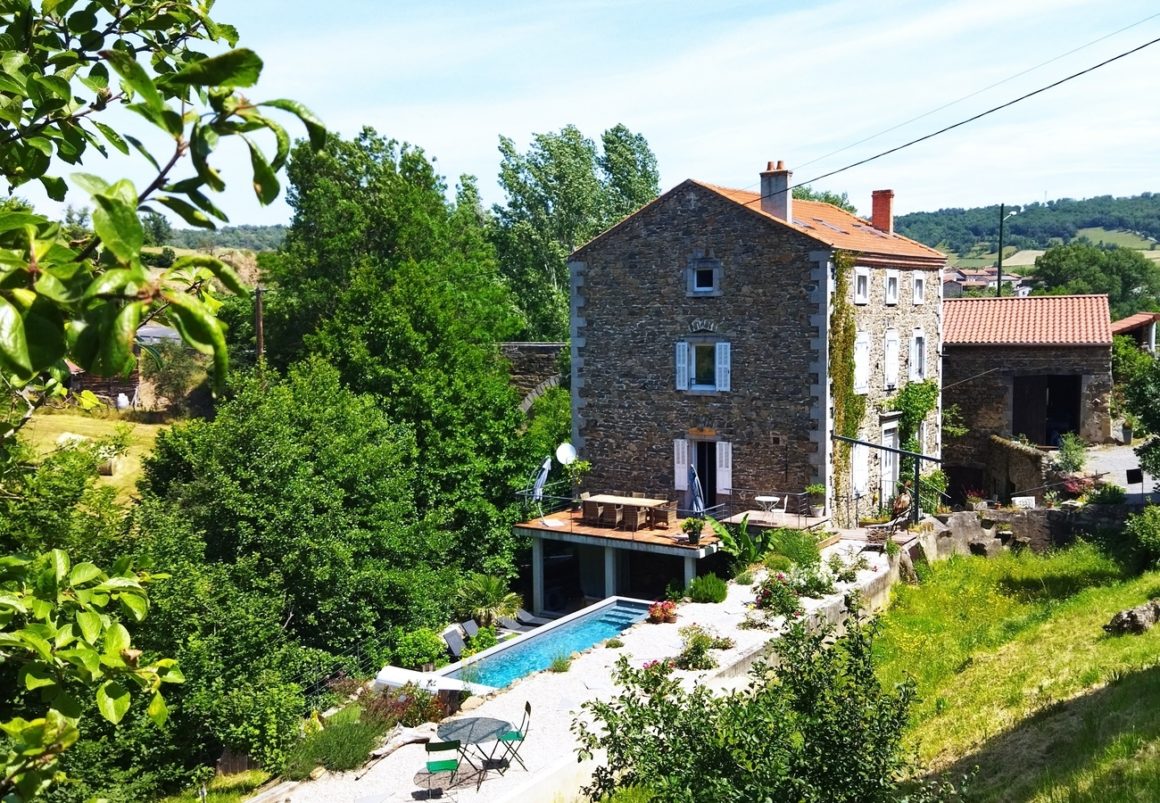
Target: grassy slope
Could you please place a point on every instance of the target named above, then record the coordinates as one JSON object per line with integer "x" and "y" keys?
{"x": 1016, "y": 676}
{"x": 1124, "y": 239}
{"x": 43, "y": 430}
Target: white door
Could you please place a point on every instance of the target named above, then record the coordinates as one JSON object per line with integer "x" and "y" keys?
{"x": 889, "y": 464}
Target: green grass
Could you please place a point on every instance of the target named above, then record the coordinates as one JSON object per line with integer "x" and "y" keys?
{"x": 43, "y": 430}
{"x": 1016, "y": 676}
{"x": 225, "y": 788}
{"x": 1124, "y": 239}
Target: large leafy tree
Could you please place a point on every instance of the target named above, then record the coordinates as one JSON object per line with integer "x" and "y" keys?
{"x": 65, "y": 64}
{"x": 839, "y": 199}
{"x": 404, "y": 297}
{"x": 1131, "y": 280}
{"x": 560, "y": 193}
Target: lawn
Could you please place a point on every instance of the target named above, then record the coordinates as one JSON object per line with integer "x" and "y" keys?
{"x": 225, "y": 788}
{"x": 1016, "y": 676}
{"x": 1124, "y": 239}
{"x": 43, "y": 430}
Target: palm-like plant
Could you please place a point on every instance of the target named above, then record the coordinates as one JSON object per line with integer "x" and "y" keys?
{"x": 486, "y": 598}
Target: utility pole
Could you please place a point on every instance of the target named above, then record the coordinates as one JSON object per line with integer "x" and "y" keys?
{"x": 999, "y": 283}
{"x": 259, "y": 324}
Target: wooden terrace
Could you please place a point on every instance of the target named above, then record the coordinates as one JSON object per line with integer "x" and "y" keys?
{"x": 571, "y": 522}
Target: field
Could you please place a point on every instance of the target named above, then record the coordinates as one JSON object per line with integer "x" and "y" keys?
{"x": 1124, "y": 239}
{"x": 1016, "y": 676}
{"x": 43, "y": 430}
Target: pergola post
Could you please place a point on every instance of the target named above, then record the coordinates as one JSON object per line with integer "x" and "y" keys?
{"x": 538, "y": 575}
{"x": 609, "y": 571}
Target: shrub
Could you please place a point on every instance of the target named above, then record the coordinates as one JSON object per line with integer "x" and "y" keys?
{"x": 614, "y": 644}
{"x": 484, "y": 639}
{"x": 486, "y": 597}
{"x": 744, "y": 579}
{"x": 696, "y": 643}
{"x": 799, "y": 546}
{"x": 1108, "y": 494}
{"x": 1072, "y": 454}
{"x": 1143, "y": 536}
{"x": 708, "y": 588}
{"x": 776, "y": 595}
{"x": 422, "y": 646}
{"x": 811, "y": 582}
{"x": 777, "y": 563}
{"x": 343, "y": 744}
{"x": 561, "y": 663}
{"x": 674, "y": 591}
{"x": 932, "y": 487}
{"x": 409, "y": 706}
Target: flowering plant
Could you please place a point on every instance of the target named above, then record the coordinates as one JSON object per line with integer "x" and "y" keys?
{"x": 660, "y": 611}
{"x": 777, "y": 594}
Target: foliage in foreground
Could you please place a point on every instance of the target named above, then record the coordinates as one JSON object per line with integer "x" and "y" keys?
{"x": 818, "y": 727}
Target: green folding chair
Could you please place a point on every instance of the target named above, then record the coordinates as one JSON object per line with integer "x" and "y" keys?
{"x": 508, "y": 745}
{"x": 442, "y": 757}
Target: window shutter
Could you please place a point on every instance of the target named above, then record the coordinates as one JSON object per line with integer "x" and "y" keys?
{"x": 891, "y": 359}
{"x": 681, "y": 464}
{"x": 724, "y": 467}
{"x": 682, "y": 365}
{"x": 723, "y": 369}
{"x": 862, "y": 363}
{"x": 917, "y": 355}
{"x": 860, "y": 466}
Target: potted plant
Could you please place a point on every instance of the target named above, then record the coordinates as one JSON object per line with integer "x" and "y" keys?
{"x": 575, "y": 472}
{"x": 692, "y": 527}
{"x": 663, "y": 611}
{"x": 817, "y": 495}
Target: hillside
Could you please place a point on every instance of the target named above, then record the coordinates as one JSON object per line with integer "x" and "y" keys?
{"x": 1132, "y": 222}
{"x": 251, "y": 238}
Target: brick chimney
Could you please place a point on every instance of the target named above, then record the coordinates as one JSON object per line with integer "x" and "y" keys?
{"x": 882, "y": 210}
{"x": 776, "y": 199}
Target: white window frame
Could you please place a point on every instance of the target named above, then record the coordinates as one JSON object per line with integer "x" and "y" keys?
{"x": 889, "y": 463}
{"x": 890, "y": 362}
{"x": 685, "y": 360}
{"x": 861, "y": 272}
{"x": 862, "y": 363}
{"x": 917, "y": 361}
{"x": 892, "y": 277}
{"x": 703, "y": 264}
{"x": 918, "y": 287}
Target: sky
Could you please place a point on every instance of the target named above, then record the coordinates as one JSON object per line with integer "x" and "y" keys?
{"x": 718, "y": 89}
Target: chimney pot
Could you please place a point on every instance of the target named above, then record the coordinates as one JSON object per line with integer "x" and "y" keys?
{"x": 776, "y": 198}
{"x": 882, "y": 210}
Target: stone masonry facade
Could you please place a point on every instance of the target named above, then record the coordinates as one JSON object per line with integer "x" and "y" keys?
{"x": 535, "y": 367}
{"x": 631, "y": 305}
{"x": 980, "y": 381}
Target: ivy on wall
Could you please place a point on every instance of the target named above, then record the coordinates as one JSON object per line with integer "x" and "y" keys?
{"x": 849, "y": 407}
{"x": 915, "y": 402}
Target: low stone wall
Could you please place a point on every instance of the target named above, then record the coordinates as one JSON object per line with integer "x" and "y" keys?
{"x": 1039, "y": 529}
{"x": 1015, "y": 469}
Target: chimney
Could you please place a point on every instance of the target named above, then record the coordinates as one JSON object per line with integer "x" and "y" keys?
{"x": 776, "y": 199}
{"x": 882, "y": 210}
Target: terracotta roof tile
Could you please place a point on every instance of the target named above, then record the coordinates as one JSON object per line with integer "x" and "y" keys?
{"x": 1029, "y": 321}
{"x": 1133, "y": 321}
{"x": 836, "y": 227}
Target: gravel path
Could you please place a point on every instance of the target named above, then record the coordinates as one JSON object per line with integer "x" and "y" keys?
{"x": 1115, "y": 461}
{"x": 556, "y": 699}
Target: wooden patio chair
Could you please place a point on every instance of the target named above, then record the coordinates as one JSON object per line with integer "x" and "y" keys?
{"x": 664, "y": 516}
{"x": 635, "y": 517}
{"x": 612, "y": 516}
{"x": 590, "y": 512}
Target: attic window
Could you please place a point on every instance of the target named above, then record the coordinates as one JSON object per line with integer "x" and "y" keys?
{"x": 703, "y": 276}
{"x": 861, "y": 285}
{"x": 891, "y": 287}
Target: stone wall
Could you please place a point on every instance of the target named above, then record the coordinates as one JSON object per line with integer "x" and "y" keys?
{"x": 535, "y": 367}
{"x": 1040, "y": 529}
{"x": 980, "y": 380}
{"x": 1015, "y": 469}
{"x": 630, "y": 306}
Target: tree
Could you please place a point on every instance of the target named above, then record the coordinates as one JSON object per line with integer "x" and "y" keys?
{"x": 805, "y": 192}
{"x": 63, "y": 68}
{"x": 1131, "y": 280}
{"x": 1141, "y": 398}
{"x": 157, "y": 228}
{"x": 560, "y": 194}
{"x": 486, "y": 598}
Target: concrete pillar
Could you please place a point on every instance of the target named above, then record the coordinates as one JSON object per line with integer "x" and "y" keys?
{"x": 537, "y": 575}
{"x": 609, "y": 571}
{"x": 690, "y": 569}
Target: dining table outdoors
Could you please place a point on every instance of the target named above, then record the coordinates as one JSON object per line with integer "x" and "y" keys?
{"x": 648, "y": 505}
{"x": 473, "y": 732}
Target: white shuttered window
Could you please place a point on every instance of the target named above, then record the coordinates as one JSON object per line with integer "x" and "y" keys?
{"x": 862, "y": 363}
{"x": 890, "y": 358}
{"x": 681, "y": 464}
{"x": 682, "y": 365}
{"x": 724, "y": 359}
{"x": 724, "y": 467}
{"x": 860, "y": 466}
{"x": 917, "y": 356}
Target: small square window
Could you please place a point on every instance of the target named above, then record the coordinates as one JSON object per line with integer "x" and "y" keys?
{"x": 861, "y": 285}
{"x": 891, "y": 287}
{"x": 919, "y": 288}
{"x": 703, "y": 276}
{"x": 703, "y": 279}
{"x": 705, "y": 365}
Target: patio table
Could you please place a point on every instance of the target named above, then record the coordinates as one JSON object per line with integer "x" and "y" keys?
{"x": 630, "y": 501}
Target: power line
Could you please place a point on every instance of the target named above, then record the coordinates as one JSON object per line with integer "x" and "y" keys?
{"x": 971, "y": 119}
{"x": 979, "y": 91}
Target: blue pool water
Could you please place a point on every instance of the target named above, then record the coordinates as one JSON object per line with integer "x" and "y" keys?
{"x": 535, "y": 651}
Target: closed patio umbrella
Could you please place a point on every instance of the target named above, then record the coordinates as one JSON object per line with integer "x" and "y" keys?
{"x": 695, "y": 490}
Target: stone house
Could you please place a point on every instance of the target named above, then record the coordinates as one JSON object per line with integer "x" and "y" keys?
{"x": 701, "y": 335}
{"x": 1030, "y": 369}
{"x": 1141, "y": 327}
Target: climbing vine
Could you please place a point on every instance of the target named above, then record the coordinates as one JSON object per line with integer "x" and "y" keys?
{"x": 915, "y": 402}
{"x": 849, "y": 407}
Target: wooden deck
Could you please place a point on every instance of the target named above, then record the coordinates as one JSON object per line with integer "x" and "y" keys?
{"x": 568, "y": 521}
{"x": 778, "y": 519}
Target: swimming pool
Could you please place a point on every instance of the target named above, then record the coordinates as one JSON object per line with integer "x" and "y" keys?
{"x": 533, "y": 652}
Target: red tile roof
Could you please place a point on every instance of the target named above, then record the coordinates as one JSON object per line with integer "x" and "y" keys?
{"x": 836, "y": 227}
{"x": 1133, "y": 322}
{"x": 1029, "y": 321}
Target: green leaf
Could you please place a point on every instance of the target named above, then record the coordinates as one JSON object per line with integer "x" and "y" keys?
{"x": 36, "y": 676}
{"x": 240, "y": 67}
{"x": 54, "y": 187}
{"x": 44, "y": 330}
{"x": 224, "y": 273}
{"x": 116, "y": 639}
{"x": 136, "y": 605}
{"x": 141, "y": 149}
{"x": 115, "y": 139}
{"x": 87, "y": 182}
{"x": 188, "y": 213}
{"x": 174, "y": 675}
{"x": 314, "y": 127}
{"x": 157, "y": 710}
{"x": 117, "y": 350}
{"x": 13, "y": 343}
{"x": 265, "y": 182}
{"x": 112, "y": 700}
{"x": 112, "y": 282}
{"x": 84, "y": 573}
{"x": 18, "y": 220}
{"x": 60, "y": 565}
{"x": 90, "y": 625}
{"x": 118, "y": 226}
{"x": 134, "y": 75}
